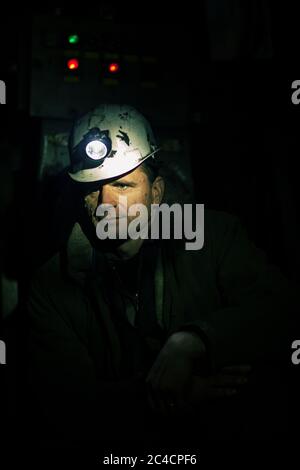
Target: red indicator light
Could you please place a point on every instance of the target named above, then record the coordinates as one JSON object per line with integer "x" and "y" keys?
{"x": 73, "y": 64}
{"x": 113, "y": 67}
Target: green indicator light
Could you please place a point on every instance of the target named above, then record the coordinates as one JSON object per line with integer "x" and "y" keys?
{"x": 73, "y": 39}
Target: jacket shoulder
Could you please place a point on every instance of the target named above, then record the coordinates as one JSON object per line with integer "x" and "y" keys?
{"x": 217, "y": 229}
{"x": 51, "y": 270}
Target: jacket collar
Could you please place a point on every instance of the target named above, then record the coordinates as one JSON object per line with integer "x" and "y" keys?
{"x": 80, "y": 266}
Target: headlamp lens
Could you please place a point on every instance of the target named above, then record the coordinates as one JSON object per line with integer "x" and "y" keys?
{"x": 96, "y": 149}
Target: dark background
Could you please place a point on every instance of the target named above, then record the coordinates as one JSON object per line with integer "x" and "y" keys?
{"x": 215, "y": 82}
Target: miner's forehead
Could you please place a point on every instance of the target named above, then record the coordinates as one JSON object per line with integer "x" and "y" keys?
{"x": 137, "y": 174}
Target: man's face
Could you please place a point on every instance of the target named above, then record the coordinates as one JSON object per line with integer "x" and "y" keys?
{"x": 135, "y": 187}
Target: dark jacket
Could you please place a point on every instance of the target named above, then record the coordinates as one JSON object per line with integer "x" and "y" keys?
{"x": 226, "y": 291}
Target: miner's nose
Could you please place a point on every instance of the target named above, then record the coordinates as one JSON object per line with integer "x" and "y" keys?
{"x": 108, "y": 196}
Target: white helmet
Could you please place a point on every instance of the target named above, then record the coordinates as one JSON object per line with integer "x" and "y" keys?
{"x": 109, "y": 141}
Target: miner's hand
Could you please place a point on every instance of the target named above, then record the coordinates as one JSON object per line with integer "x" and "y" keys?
{"x": 171, "y": 375}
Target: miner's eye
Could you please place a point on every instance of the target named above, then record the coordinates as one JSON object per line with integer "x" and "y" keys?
{"x": 121, "y": 185}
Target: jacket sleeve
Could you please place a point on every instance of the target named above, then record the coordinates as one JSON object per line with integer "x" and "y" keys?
{"x": 65, "y": 388}
{"x": 255, "y": 321}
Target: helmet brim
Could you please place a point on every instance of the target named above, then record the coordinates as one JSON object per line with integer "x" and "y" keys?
{"x": 111, "y": 168}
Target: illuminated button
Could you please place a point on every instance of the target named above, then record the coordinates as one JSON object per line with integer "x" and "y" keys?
{"x": 113, "y": 67}
{"x": 73, "y": 39}
{"x": 73, "y": 64}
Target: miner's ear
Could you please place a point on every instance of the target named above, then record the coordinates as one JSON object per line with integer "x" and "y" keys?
{"x": 158, "y": 189}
